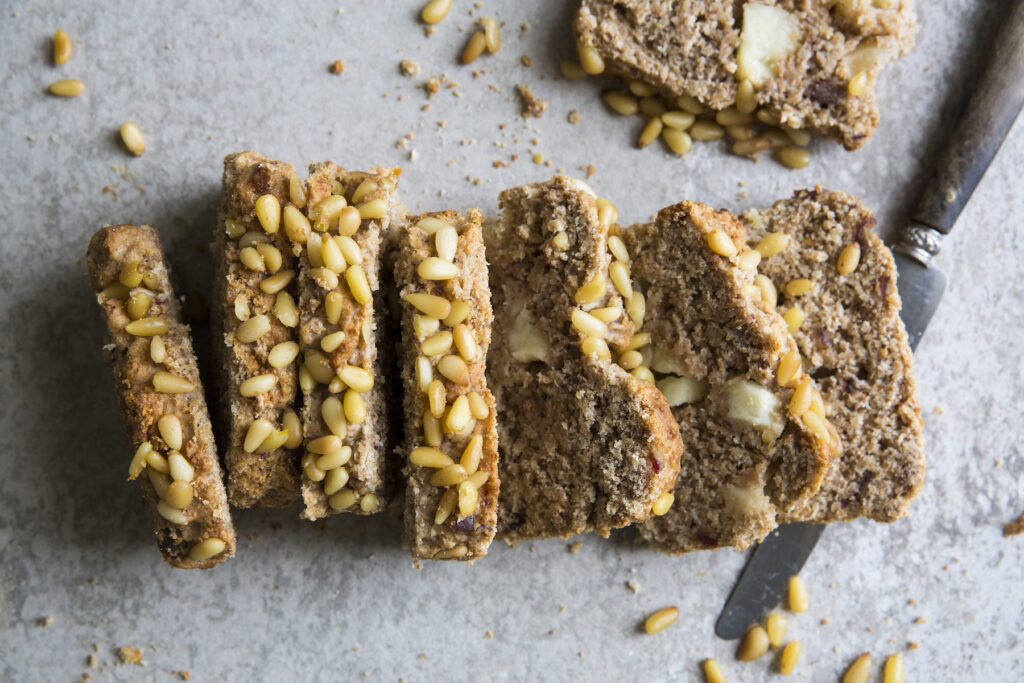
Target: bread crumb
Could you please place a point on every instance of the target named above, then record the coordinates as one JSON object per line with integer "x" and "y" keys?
{"x": 939, "y": 410}
{"x": 416, "y": 564}
{"x": 337, "y": 67}
{"x": 432, "y": 86}
{"x": 575, "y": 546}
{"x": 561, "y": 608}
{"x": 489, "y": 634}
{"x": 185, "y": 675}
{"x": 921, "y": 619}
{"x": 409, "y": 67}
{"x": 91, "y": 661}
{"x": 824, "y": 621}
{"x": 1015, "y": 527}
{"x": 44, "y": 621}
{"x": 633, "y": 586}
{"x": 526, "y": 61}
{"x": 912, "y": 645}
{"x": 130, "y": 655}
{"x": 532, "y": 105}
{"x": 574, "y": 116}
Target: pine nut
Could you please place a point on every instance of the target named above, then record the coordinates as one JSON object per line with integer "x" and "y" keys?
{"x": 431, "y": 224}
{"x": 769, "y": 294}
{"x": 595, "y": 346}
{"x": 349, "y": 220}
{"x": 650, "y": 132}
{"x": 157, "y": 462}
{"x": 171, "y": 513}
{"x": 607, "y": 214}
{"x": 285, "y": 309}
{"x": 449, "y": 476}
{"x": 799, "y": 286}
{"x": 458, "y": 416}
{"x": 789, "y": 368}
{"x": 706, "y": 131}
{"x": 290, "y": 421}
{"x": 330, "y": 342}
{"x": 283, "y": 354}
{"x": 491, "y": 35}
{"x": 333, "y": 415}
{"x": 179, "y": 494}
{"x": 425, "y": 456}
{"x": 446, "y": 241}
{"x": 436, "y": 398}
{"x": 375, "y": 208}
{"x": 251, "y": 238}
{"x": 275, "y": 283}
{"x": 789, "y": 657}
{"x": 349, "y": 249}
{"x": 364, "y": 189}
{"x": 621, "y": 102}
{"x": 435, "y": 11}
{"x": 446, "y": 506}
{"x": 690, "y": 104}
{"x": 332, "y": 307}
{"x": 752, "y": 147}
{"x": 468, "y": 498}
{"x": 335, "y": 480}
{"x": 637, "y": 308}
{"x": 754, "y": 644}
{"x": 252, "y": 329}
{"x": 478, "y": 406}
{"x": 157, "y": 349}
{"x": 434, "y": 268}
{"x": 794, "y": 157}
{"x": 474, "y": 48}
{"x": 472, "y": 454}
{"x": 324, "y": 277}
{"x": 343, "y": 499}
{"x": 331, "y": 256}
{"x": 454, "y": 369}
{"x": 62, "y": 47}
{"x": 817, "y": 425}
{"x": 355, "y": 407}
{"x": 464, "y": 341}
{"x": 324, "y": 445}
{"x": 768, "y": 118}
{"x": 749, "y": 260}
{"x": 798, "y": 601}
{"x": 479, "y": 478}
{"x": 424, "y": 326}
{"x": 260, "y": 384}
{"x": 306, "y": 381}
{"x": 588, "y": 325}
{"x": 858, "y": 85}
{"x": 357, "y": 378}
{"x": 801, "y": 138}
{"x": 895, "y": 669}
{"x": 572, "y": 71}
{"x": 661, "y": 620}
{"x": 775, "y": 626}
{"x": 437, "y": 344}
{"x": 159, "y": 481}
{"x": 166, "y": 383}
{"x": 641, "y": 89}
{"x": 849, "y": 259}
{"x": 251, "y": 259}
{"x": 678, "y": 141}
{"x": 746, "y": 98}
{"x": 591, "y": 291}
{"x": 860, "y": 670}
{"x": 138, "y": 462}
{"x": 801, "y": 398}
{"x": 432, "y": 433}
{"x": 618, "y": 273}
{"x": 678, "y": 119}
{"x": 773, "y": 244}
{"x": 460, "y": 311}
{"x": 268, "y": 212}
{"x": 273, "y": 442}
{"x": 169, "y": 427}
{"x": 204, "y": 550}
{"x": 652, "y": 107}
{"x": 334, "y": 459}
{"x": 590, "y": 60}
{"x": 794, "y": 318}
{"x": 139, "y": 301}
{"x": 132, "y": 138}
{"x": 608, "y": 314}
{"x": 146, "y": 327}
{"x": 179, "y": 468}
{"x": 721, "y": 243}
{"x": 630, "y": 360}
{"x": 296, "y": 225}
{"x": 663, "y": 504}
{"x": 713, "y": 672}
{"x": 643, "y": 374}
{"x": 69, "y": 87}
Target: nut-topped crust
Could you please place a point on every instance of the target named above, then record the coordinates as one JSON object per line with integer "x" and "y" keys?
{"x": 584, "y": 446}
{"x": 819, "y": 78}
{"x": 255, "y": 294}
{"x": 451, "y": 444}
{"x": 161, "y": 397}
{"x": 852, "y": 339}
{"x": 344, "y": 414}
{"x": 717, "y": 346}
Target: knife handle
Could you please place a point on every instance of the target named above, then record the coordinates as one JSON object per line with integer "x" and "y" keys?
{"x": 980, "y": 129}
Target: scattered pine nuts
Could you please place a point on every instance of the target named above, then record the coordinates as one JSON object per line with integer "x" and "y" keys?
{"x": 895, "y": 669}
{"x": 849, "y": 259}
{"x": 474, "y": 48}
{"x": 789, "y": 657}
{"x": 69, "y": 87}
{"x": 775, "y": 627}
{"x": 713, "y": 671}
{"x": 794, "y": 157}
{"x": 590, "y": 59}
{"x": 858, "y": 84}
{"x": 860, "y": 670}
{"x": 435, "y": 11}
{"x": 491, "y": 35}
{"x": 621, "y": 102}
{"x": 798, "y": 600}
{"x": 62, "y": 47}
{"x": 754, "y": 644}
{"x": 679, "y": 141}
{"x": 132, "y": 138}
{"x": 661, "y": 620}
{"x": 572, "y": 71}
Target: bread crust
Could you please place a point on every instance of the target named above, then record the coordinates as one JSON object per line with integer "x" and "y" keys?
{"x": 207, "y": 516}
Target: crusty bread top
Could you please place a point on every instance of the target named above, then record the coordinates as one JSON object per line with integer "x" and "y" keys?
{"x": 854, "y": 342}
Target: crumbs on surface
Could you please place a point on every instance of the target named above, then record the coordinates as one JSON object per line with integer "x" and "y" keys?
{"x": 130, "y": 655}
{"x": 575, "y": 546}
{"x": 574, "y": 116}
{"x": 1015, "y": 527}
{"x": 337, "y": 67}
{"x": 633, "y": 586}
{"x": 185, "y": 675}
{"x": 532, "y": 105}
{"x": 44, "y": 621}
{"x": 409, "y": 67}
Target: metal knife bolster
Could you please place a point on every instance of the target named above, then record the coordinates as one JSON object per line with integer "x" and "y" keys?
{"x": 918, "y": 241}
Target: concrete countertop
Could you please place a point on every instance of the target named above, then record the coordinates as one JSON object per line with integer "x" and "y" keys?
{"x": 79, "y": 573}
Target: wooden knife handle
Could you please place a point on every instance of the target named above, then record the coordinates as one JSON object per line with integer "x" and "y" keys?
{"x": 980, "y": 129}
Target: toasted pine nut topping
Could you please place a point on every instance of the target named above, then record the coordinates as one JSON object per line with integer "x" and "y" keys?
{"x": 661, "y": 620}
{"x": 435, "y": 11}
{"x": 798, "y": 601}
{"x": 474, "y": 48}
{"x": 775, "y": 626}
{"x": 590, "y": 59}
{"x": 713, "y": 672}
{"x": 70, "y": 87}
{"x": 754, "y": 644}
{"x": 860, "y": 670}
{"x": 572, "y": 71}
{"x": 789, "y": 657}
{"x": 491, "y": 35}
{"x": 895, "y": 670}
{"x": 62, "y": 47}
{"x": 132, "y": 138}
{"x": 849, "y": 259}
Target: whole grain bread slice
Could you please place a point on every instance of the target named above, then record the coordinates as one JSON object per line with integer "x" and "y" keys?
{"x": 853, "y": 342}
{"x": 584, "y": 446}
{"x": 161, "y": 397}
{"x": 450, "y": 453}
{"x": 345, "y": 408}
{"x": 715, "y": 347}
{"x": 822, "y": 79}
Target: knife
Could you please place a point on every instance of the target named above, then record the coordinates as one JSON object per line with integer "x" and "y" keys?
{"x": 979, "y": 132}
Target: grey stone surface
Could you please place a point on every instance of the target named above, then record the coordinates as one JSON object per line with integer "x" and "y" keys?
{"x": 339, "y": 602}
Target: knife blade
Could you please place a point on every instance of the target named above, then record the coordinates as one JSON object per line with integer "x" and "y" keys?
{"x": 977, "y": 136}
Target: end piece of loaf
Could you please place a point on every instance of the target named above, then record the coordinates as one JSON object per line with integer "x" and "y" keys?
{"x": 813, "y": 64}
{"x": 584, "y": 446}
{"x": 161, "y": 397}
{"x": 451, "y": 446}
{"x": 254, "y": 312}
{"x": 716, "y": 347}
{"x": 348, "y": 215}
{"x": 851, "y": 339}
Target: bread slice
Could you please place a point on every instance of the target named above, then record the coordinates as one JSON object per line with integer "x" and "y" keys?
{"x": 584, "y": 446}
{"x": 715, "y": 345}
{"x": 853, "y": 343}
{"x": 254, "y": 312}
{"x": 344, "y": 411}
{"x": 451, "y": 446}
{"x": 813, "y": 64}
{"x": 161, "y": 397}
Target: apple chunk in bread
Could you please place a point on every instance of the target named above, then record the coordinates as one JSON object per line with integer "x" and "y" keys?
{"x": 769, "y": 34}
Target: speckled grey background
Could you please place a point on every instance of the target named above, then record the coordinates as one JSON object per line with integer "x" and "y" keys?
{"x": 343, "y": 601}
